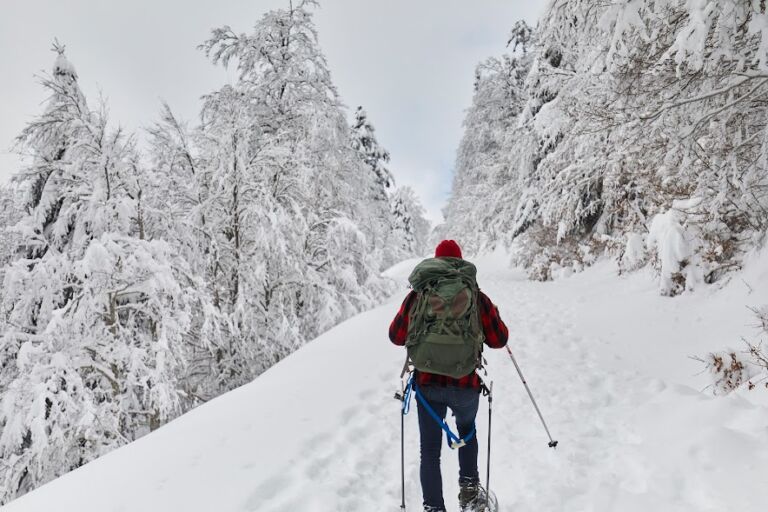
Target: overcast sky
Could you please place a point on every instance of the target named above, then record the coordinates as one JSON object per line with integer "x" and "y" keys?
{"x": 410, "y": 63}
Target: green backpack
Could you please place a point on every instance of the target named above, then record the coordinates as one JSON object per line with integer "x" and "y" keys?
{"x": 444, "y": 332}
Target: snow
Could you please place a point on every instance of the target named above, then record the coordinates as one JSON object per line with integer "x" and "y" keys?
{"x": 634, "y": 252}
{"x": 606, "y": 357}
{"x": 675, "y": 246}
{"x": 62, "y": 66}
{"x": 758, "y": 25}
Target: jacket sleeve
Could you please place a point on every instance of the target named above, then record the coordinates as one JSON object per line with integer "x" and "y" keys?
{"x": 496, "y": 333}
{"x": 398, "y": 329}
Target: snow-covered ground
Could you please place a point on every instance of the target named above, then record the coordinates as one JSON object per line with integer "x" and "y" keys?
{"x": 606, "y": 357}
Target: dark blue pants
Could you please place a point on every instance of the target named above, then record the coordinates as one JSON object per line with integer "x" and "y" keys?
{"x": 463, "y": 402}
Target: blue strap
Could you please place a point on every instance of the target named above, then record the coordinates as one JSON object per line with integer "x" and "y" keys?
{"x": 452, "y": 439}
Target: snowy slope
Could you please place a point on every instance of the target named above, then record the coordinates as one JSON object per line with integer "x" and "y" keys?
{"x": 606, "y": 357}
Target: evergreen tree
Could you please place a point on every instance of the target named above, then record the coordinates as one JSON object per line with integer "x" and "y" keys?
{"x": 10, "y": 214}
{"x": 411, "y": 228}
{"x": 375, "y": 157}
{"x": 93, "y": 314}
{"x": 379, "y": 191}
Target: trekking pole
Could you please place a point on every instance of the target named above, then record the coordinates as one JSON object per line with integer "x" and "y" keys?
{"x": 402, "y": 456}
{"x": 404, "y": 398}
{"x": 488, "y": 459}
{"x": 552, "y": 442}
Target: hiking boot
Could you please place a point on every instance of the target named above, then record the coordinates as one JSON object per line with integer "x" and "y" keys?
{"x": 472, "y": 496}
{"x": 428, "y": 508}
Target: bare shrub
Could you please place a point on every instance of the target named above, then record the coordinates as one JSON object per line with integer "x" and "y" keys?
{"x": 731, "y": 370}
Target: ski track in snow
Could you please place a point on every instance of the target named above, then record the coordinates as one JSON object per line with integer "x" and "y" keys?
{"x": 630, "y": 439}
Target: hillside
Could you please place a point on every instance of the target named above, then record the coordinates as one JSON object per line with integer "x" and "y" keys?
{"x": 606, "y": 358}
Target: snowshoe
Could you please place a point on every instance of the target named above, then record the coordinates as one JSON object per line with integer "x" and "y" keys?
{"x": 481, "y": 506}
{"x": 474, "y": 498}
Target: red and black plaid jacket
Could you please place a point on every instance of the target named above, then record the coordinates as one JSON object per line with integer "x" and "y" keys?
{"x": 495, "y": 331}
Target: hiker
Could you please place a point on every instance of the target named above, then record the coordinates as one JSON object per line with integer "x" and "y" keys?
{"x": 448, "y": 384}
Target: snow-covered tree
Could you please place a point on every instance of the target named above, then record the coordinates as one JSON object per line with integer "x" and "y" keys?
{"x": 485, "y": 180}
{"x": 291, "y": 227}
{"x": 628, "y": 110}
{"x": 365, "y": 142}
{"x": 378, "y": 195}
{"x": 696, "y": 100}
{"x": 10, "y": 214}
{"x": 411, "y": 228}
{"x": 133, "y": 292}
{"x": 179, "y": 209}
{"x": 92, "y": 313}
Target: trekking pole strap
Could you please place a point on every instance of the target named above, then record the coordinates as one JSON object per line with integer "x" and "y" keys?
{"x": 453, "y": 440}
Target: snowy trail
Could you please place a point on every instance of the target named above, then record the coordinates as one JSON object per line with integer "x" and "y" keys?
{"x": 320, "y": 430}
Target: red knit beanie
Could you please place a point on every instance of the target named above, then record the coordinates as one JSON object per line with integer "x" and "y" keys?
{"x": 448, "y": 248}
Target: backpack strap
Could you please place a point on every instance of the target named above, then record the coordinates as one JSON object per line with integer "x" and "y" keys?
{"x": 420, "y": 308}
{"x": 406, "y": 366}
{"x": 480, "y": 363}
